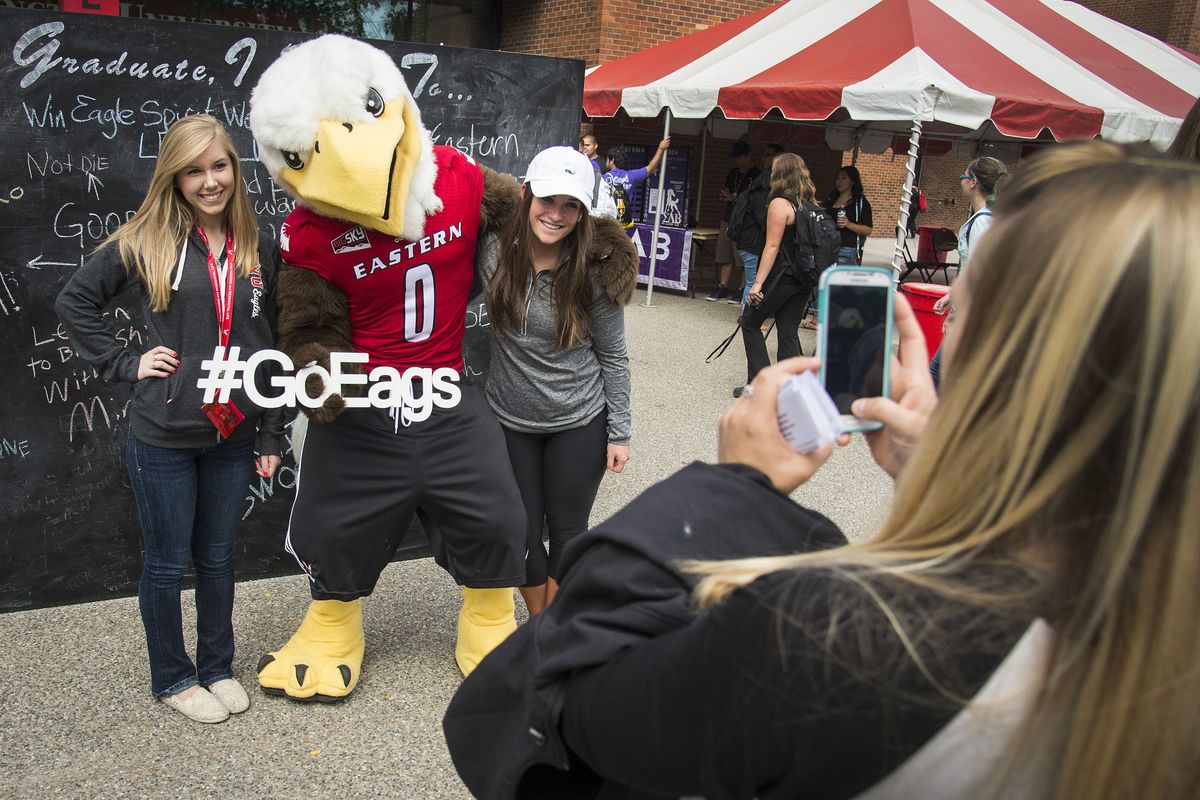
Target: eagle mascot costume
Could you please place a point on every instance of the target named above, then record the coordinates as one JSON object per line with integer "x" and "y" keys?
{"x": 379, "y": 259}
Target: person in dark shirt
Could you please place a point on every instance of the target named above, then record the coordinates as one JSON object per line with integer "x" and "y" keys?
{"x": 737, "y": 180}
{"x": 1023, "y": 625}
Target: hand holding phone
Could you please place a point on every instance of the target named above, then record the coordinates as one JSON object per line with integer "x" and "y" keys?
{"x": 749, "y": 431}
{"x": 854, "y": 335}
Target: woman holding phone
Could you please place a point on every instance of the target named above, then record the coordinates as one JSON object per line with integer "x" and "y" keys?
{"x": 193, "y": 254}
{"x": 1023, "y": 625}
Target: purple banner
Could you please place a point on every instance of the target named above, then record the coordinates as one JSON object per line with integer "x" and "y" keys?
{"x": 673, "y": 259}
{"x": 676, "y": 187}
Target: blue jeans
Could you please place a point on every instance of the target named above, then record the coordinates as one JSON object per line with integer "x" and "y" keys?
{"x": 750, "y": 266}
{"x": 189, "y": 502}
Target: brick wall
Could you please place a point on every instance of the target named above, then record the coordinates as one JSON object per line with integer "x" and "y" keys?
{"x": 602, "y": 30}
{"x": 563, "y": 28}
{"x": 1173, "y": 21}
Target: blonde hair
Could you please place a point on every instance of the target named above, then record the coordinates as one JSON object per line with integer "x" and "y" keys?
{"x": 150, "y": 241}
{"x": 1186, "y": 144}
{"x": 790, "y": 177}
{"x": 1069, "y": 433}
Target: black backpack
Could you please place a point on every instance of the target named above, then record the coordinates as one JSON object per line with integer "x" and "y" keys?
{"x": 816, "y": 244}
{"x": 748, "y": 218}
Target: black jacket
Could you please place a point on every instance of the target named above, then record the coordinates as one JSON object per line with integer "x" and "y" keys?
{"x": 165, "y": 412}
{"x": 622, "y": 585}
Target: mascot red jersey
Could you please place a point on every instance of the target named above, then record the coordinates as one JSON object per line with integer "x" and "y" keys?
{"x": 379, "y": 261}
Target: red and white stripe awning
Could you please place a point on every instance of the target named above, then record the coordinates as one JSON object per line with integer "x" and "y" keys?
{"x": 1027, "y": 66}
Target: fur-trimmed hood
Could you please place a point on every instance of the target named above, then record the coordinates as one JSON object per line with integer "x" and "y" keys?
{"x": 614, "y": 260}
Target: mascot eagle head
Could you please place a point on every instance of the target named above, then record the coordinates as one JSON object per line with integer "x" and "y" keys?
{"x": 338, "y": 129}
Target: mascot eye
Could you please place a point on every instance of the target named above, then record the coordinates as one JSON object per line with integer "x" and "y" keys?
{"x": 374, "y": 103}
{"x": 293, "y": 160}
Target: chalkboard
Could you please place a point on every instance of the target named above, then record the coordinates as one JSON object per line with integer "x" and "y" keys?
{"x": 89, "y": 99}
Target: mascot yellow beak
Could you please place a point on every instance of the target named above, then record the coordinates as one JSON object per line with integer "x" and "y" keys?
{"x": 343, "y": 179}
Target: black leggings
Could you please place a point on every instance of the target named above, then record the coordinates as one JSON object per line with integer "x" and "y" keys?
{"x": 558, "y": 475}
{"x": 786, "y": 302}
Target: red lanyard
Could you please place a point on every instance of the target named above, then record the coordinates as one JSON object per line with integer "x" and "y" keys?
{"x": 222, "y": 301}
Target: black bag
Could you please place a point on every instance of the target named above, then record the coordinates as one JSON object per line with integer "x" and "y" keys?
{"x": 748, "y": 218}
{"x": 815, "y": 244}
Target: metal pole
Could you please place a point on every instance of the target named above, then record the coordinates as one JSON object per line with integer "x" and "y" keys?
{"x": 910, "y": 175}
{"x": 662, "y": 179}
{"x": 700, "y": 183}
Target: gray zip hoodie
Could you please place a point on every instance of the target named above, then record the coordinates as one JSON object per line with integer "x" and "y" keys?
{"x": 165, "y": 412}
{"x": 536, "y": 386}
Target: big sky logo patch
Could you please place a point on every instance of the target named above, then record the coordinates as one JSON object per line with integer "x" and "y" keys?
{"x": 351, "y": 240}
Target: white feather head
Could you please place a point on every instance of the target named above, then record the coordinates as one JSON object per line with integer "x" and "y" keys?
{"x": 325, "y": 79}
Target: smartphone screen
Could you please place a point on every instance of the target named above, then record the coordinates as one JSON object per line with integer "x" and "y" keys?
{"x": 855, "y": 333}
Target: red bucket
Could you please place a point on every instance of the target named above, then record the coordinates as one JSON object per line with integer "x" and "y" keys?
{"x": 922, "y": 296}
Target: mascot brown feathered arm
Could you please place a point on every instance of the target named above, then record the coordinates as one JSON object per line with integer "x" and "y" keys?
{"x": 501, "y": 199}
{"x": 314, "y": 321}
{"x": 614, "y": 261}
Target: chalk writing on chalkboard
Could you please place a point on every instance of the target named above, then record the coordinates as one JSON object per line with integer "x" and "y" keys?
{"x": 89, "y": 100}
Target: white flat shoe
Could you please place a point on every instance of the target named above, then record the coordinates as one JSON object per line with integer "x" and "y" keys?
{"x": 231, "y": 695}
{"x": 199, "y": 706}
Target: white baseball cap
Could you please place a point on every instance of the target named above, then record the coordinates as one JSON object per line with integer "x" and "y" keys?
{"x": 563, "y": 170}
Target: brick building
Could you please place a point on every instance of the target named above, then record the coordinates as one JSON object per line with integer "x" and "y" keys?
{"x": 598, "y": 31}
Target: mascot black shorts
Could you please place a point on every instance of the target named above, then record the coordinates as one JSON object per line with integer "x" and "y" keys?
{"x": 364, "y": 475}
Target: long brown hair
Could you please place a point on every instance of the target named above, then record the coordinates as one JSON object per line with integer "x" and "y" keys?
{"x": 790, "y": 177}
{"x": 572, "y": 285}
{"x": 150, "y": 240}
{"x": 1077, "y": 444}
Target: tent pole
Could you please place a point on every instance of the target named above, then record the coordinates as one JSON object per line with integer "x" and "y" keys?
{"x": 700, "y": 183}
{"x": 910, "y": 173}
{"x": 662, "y": 179}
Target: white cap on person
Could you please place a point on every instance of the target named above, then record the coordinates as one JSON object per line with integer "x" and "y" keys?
{"x": 563, "y": 170}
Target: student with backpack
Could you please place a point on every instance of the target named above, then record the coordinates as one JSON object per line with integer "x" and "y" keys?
{"x": 800, "y": 242}
{"x": 748, "y": 220}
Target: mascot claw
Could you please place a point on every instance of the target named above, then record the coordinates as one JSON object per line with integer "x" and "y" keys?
{"x": 487, "y": 619}
{"x": 323, "y": 658}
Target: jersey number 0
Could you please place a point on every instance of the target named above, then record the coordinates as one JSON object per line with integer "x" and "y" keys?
{"x": 418, "y": 303}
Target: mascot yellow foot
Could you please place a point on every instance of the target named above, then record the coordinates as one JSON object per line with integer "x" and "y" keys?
{"x": 487, "y": 618}
{"x": 322, "y": 659}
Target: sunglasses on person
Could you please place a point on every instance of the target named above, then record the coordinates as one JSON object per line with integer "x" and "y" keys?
{"x": 966, "y": 176}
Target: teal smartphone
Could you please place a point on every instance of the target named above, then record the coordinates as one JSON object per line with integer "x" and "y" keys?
{"x": 854, "y": 336}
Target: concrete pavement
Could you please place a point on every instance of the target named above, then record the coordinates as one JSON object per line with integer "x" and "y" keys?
{"x": 77, "y": 720}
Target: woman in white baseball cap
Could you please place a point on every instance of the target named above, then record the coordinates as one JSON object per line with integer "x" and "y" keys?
{"x": 559, "y": 377}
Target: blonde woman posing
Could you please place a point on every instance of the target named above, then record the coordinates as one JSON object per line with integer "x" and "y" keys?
{"x": 1023, "y": 626}
{"x": 194, "y": 254}
{"x": 559, "y": 374}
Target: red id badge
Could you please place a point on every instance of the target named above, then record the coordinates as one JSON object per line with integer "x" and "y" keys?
{"x": 225, "y": 416}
